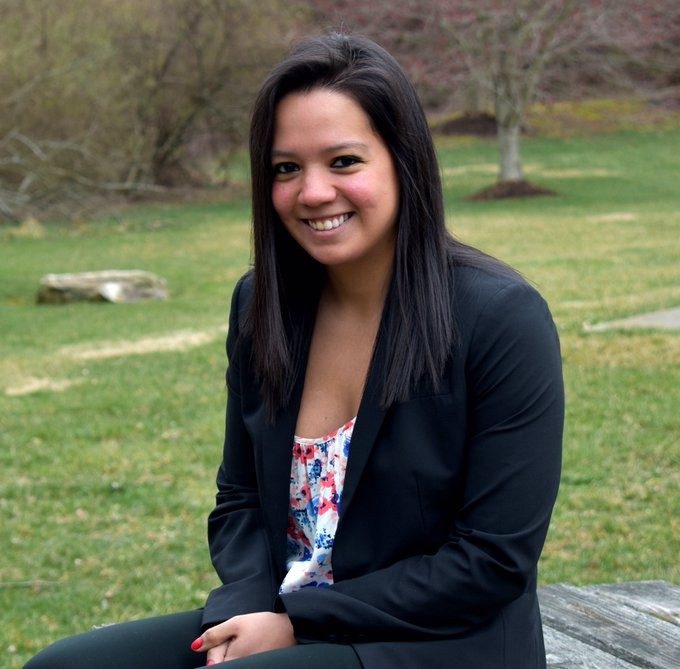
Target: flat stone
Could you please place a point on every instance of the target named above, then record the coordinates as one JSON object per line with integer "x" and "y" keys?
{"x": 117, "y": 285}
{"x": 665, "y": 319}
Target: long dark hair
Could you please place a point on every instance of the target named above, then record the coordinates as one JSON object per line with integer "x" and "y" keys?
{"x": 418, "y": 320}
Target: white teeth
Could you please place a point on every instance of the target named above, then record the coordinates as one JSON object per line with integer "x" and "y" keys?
{"x": 327, "y": 223}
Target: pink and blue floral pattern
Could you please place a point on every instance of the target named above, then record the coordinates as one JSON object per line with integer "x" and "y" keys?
{"x": 317, "y": 477}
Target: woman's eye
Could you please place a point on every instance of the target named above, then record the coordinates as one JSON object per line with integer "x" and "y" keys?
{"x": 285, "y": 168}
{"x": 345, "y": 161}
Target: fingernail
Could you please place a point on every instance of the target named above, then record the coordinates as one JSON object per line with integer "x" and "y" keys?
{"x": 211, "y": 662}
{"x": 195, "y": 645}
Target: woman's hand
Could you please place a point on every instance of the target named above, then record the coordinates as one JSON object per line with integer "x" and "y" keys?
{"x": 245, "y": 635}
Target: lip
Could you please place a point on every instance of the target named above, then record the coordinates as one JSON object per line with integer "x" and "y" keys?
{"x": 327, "y": 223}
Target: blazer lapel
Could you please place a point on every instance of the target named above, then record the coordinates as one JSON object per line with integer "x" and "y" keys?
{"x": 275, "y": 455}
{"x": 369, "y": 420}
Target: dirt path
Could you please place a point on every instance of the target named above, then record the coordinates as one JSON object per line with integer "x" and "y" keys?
{"x": 182, "y": 340}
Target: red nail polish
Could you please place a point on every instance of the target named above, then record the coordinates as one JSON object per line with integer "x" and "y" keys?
{"x": 195, "y": 645}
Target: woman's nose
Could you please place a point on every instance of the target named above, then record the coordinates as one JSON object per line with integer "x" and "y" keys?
{"x": 316, "y": 189}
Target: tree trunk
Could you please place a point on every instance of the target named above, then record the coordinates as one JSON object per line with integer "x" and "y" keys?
{"x": 509, "y": 111}
{"x": 510, "y": 160}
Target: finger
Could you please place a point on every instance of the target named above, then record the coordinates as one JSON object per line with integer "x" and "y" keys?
{"x": 217, "y": 654}
{"x": 214, "y": 636}
{"x": 234, "y": 650}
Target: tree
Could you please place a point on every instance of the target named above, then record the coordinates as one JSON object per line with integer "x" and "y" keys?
{"x": 193, "y": 67}
{"x": 514, "y": 42}
{"x": 513, "y": 46}
{"x": 506, "y": 52}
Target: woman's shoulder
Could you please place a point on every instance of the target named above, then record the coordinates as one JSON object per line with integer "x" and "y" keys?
{"x": 243, "y": 290}
{"x": 474, "y": 284}
{"x": 495, "y": 294}
{"x": 244, "y": 286}
{"x": 242, "y": 296}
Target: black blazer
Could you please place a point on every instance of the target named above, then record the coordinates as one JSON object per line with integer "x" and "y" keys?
{"x": 446, "y": 502}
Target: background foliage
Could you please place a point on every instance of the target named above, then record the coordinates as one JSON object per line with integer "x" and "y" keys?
{"x": 104, "y": 99}
{"x": 118, "y": 96}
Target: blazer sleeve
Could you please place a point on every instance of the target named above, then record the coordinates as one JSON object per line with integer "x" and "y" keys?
{"x": 236, "y": 535}
{"x": 513, "y": 457}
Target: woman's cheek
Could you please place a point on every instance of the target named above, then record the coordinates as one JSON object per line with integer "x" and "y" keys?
{"x": 283, "y": 198}
{"x": 361, "y": 193}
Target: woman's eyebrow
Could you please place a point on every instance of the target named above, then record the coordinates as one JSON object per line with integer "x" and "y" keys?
{"x": 342, "y": 146}
{"x": 278, "y": 153}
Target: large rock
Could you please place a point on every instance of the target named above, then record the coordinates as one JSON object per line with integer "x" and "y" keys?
{"x": 116, "y": 285}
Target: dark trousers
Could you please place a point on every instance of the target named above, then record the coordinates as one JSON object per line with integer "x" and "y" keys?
{"x": 163, "y": 643}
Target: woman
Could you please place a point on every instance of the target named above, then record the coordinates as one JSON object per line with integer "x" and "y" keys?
{"x": 394, "y": 414}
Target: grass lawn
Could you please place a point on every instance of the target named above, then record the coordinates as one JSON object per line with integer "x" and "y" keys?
{"x": 106, "y": 474}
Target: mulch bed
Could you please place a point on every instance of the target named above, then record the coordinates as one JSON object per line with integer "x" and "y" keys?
{"x": 481, "y": 125}
{"x": 507, "y": 189}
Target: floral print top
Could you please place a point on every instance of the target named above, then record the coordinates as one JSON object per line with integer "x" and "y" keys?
{"x": 317, "y": 476}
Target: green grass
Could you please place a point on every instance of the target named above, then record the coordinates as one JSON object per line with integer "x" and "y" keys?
{"x": 105, "y": 484}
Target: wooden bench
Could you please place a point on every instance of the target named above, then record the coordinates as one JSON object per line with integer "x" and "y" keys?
{"x": 621, "y": 626}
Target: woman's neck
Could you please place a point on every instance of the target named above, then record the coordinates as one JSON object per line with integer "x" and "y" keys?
{"x": 360, "y": 291}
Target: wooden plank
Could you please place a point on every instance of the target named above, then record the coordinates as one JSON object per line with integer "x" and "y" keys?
{"x": 656, "y": 598}
{"x": 603, "y": 622}
{"x": 565, "y": 652}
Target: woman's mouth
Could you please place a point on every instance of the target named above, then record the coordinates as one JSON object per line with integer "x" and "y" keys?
{"x": 329, "y": 223}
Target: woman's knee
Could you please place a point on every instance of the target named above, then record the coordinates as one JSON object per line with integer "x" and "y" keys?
{"x": 61, "y": 654}
{"x": 153, "y": 642}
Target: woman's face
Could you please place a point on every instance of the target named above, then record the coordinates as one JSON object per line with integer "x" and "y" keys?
{"x": 335, "y": 187}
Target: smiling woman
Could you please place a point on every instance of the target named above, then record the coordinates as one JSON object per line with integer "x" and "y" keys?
{"x": 394, "y": 414}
